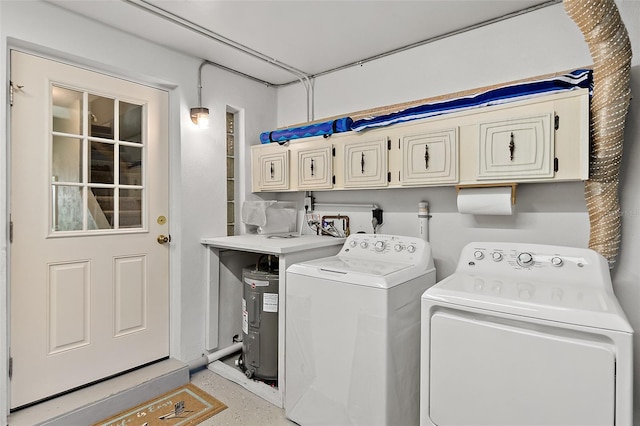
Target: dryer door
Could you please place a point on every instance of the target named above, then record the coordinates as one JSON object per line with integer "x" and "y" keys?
{"x": 488, "y": 370}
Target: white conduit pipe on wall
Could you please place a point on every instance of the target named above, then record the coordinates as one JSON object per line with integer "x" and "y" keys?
{"x": 608, "y": 40}
{"x": 300, "y": 75}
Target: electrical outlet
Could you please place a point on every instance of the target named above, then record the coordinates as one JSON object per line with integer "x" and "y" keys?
{"x": 308, "y": 204}
{"x": 377, "y": 214}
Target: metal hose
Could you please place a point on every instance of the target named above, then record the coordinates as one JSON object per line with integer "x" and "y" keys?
{"x": 608, "y": 41}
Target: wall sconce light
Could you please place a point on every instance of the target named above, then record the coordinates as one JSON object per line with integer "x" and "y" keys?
{"x": 200, "y": 115}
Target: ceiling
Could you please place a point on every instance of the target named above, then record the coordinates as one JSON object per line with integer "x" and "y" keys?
{"x": 278, "y": 42}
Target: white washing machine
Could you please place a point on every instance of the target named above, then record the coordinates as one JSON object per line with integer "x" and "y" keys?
{"x": 525, "y": 334}
{"x": 352, "y": 348}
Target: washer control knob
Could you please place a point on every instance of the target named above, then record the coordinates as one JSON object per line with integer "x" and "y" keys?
{"x": 364, "y": 244}
{"x": 379, "y": 246}
{"x": 525, "y": 259}
{"x": 411, "y": 248}
{"x": 479, "y": 255}
{"x": 353, "y": 243}
{"x": 496, "y": 256}
{"x": 524, "y": 294}
{"x": 557, "y": 261}
{"x": 398, "y": 247}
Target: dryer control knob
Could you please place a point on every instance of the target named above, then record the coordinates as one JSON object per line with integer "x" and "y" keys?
{"x": 379, "y": 246}
{"x": 353, "y": 243}
{"x": 411, "y": 249}
{"x": 478, "y": 255}
{"x": 398, "y": 247}
{"x": 525, "y": 259}
{"x": 556, "y": 261}
{"x": 496, "y": 256}
{"x": 364, "y": 244}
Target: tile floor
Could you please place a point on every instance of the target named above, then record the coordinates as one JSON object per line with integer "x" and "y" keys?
{"x": 243, "y": 407}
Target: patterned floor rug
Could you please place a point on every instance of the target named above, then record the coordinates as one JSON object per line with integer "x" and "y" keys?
{"x": 186, "y": 405}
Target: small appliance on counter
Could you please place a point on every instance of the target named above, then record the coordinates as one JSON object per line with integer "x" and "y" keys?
{"x": 270, "y": 217}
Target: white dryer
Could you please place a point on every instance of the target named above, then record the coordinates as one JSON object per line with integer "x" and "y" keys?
{"x": 525, "y": 334}
{"x": 352, "y": 348}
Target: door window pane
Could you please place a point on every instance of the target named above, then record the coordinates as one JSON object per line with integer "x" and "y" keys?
{"x": 67, "y": 208}
{"x": 100, "y": 117}
{"x": 130, "y": 122}
{"x": 101, "y": 163}
{"x": 130, "y": 208}
{"x": 89, "y": 167}
{"x": 66, "y": 110}
{"x": 66, "y": 161}
{"x": 130, "y": 165}
{"x": 100, "y": 205}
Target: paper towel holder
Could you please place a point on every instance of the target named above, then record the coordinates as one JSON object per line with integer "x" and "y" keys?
{"x": 491, "y": 185}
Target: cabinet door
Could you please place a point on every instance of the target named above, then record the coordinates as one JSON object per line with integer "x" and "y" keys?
{"x": 430, "y": 158}
{"x": 365, "y": 163}
{"x": 271, "y": 168}
{"x": 314, "y": 167}
{"x": 517, "y": 148}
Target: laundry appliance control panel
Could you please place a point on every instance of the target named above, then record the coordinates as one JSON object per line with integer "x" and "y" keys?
{"x": 533, "y": 261}
{"x": 388, "y": 248}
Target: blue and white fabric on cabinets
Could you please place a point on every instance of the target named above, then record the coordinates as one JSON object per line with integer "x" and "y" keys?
{"x": 325, "y": 128}
{"x": 574, "y": 80}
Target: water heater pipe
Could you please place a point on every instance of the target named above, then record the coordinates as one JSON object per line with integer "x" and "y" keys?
{"x": 423, "y": 219}
{"x": 214, "y": 356}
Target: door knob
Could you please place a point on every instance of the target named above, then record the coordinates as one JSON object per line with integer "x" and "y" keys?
{"x": 163, "y": 239}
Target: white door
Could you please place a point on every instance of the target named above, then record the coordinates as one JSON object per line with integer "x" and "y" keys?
{"x": 89, "y": 198}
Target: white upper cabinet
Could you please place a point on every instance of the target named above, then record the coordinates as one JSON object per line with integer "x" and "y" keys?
{"x": 270, "y": 167}
{"x": 516, "y": 148}
{"x": 365, "y": 161}
{"x": 429, "y": 157}
{"x": 312, "y": 165}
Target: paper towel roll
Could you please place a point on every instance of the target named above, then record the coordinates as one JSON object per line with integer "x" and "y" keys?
{"x": 489, "y": 201}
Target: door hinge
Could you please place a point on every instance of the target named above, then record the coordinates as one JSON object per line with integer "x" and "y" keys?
{"x": 556, "y": 124}
{"x": 333, "y": 151}
{"x": 12, "y": 88}
{"x": 10, "y": 231}
{"x": 10, "y": 368}
{"x": 333, "y": 179}
{"x": 555, "y": 164}
{"x": 389, "y": 177}
{"x": 389, "y": 144}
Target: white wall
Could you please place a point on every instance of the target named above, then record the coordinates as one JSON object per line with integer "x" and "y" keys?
{"x": 197, "y": 157}
{"x": 539, "y": 42}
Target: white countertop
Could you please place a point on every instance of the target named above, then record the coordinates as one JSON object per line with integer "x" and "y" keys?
{"x": 264, "y": 244}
